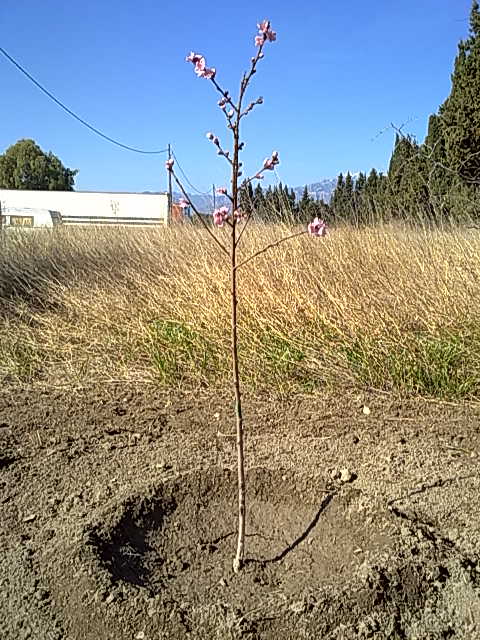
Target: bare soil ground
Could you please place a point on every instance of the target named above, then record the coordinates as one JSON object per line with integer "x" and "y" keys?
{"x": 117, "y": 517}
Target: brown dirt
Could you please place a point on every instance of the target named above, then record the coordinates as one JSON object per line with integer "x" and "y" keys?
{"x": 117, "y": 517}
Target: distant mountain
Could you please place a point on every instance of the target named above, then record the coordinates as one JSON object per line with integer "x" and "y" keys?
{"x": 322, "y": 190}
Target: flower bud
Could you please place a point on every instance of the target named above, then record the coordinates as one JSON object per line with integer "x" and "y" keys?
{"x": 210, "y": 135}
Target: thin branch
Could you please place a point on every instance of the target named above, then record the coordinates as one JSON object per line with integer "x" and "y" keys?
{"x": 243, "y": 228}
{"x": 185, "y": 194}
{"x": 270, "y": 246}
{"x": 247, "y": 76}
{"x": 224, "y": 94}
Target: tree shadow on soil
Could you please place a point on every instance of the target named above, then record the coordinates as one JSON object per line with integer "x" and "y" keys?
{"x": 303, "y": 536}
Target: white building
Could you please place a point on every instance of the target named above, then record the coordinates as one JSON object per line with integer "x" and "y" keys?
{"x": 84, "y": 207}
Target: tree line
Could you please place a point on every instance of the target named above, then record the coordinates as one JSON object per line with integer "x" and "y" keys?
{"x": 279, "y": 203}
{"x": 438, "y": 179}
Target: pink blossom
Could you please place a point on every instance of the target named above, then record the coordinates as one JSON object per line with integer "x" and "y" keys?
{"x": 259, "y": 176}
{"x": 199, "y": 63}
{"x": 183, "y": 203}
{"x": 264, "y": 26}
{"x": 230, "y": 113}
{"x": 222, "y": 191}
{"x": 265, "y": 33}
{"x": 269, "y": 163}
{"x": 204, "y": 72}
{"x": 317, "y": 228}
{"x": 169, "y": 164}
{"x": 222, "y": 102}
{"x": 220, "y": 216}
{"x": 239, "y": 215}
{"x": 194, "y": 58}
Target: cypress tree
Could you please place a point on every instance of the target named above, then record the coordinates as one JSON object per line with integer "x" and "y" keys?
{"x": 460, "y": 113}
{"x": 338, "y": 197}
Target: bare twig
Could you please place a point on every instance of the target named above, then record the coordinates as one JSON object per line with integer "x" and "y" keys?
{"x": 270, "y": 246}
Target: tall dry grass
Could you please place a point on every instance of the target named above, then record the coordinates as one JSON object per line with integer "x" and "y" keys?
{"x": 390, "y": 307}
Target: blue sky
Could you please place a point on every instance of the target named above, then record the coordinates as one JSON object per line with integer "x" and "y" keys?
{"x": 338, "y": 75}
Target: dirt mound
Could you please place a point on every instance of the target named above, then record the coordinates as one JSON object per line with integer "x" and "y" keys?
{"x": 322, "y": 562}
{"x": 118, "y": 518}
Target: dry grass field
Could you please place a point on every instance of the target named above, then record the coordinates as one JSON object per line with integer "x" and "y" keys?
{"x": 389, "y": 307}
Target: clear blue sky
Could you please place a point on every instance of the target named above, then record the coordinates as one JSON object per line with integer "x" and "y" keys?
{"x": 338, "y": 75}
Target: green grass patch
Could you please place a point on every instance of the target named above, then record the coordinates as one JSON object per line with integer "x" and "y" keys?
{"x": 20, "y": 357}
{"x": 180, "y": 353}
{"x": 444, "y": 366}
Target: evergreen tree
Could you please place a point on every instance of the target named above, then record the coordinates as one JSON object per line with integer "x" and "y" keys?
{"x": 460, "y": 113}
{"x": 408, "y": 179}
{"x": 305, "y": 199}
{"x": 360, "y": 183}
{"x": 348, "y": 189}
{"x": 246, "y": 198}
{"x": 338, "y": 197}
{"x": 25, "y": 166}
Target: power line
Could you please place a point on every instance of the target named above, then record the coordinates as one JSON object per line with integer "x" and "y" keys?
{"x": 74, "y": 115}
{"x": 202, "y": 193}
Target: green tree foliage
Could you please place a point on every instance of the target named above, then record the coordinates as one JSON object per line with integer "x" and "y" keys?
{"x": 338, "y": 198}
{"x": 25, "y": 166}
{"x": 460, "y": 113}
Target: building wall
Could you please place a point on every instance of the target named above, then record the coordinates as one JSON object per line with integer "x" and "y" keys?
{"x": 88, "y": 207}
{"x": 181, "y": 214}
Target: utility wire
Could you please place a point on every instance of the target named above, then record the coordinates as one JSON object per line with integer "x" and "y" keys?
{"x": 202, "y": 193}
{"x": 74, "y": 115}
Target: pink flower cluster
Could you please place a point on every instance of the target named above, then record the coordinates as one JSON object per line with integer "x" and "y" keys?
{"x": 183, "y": 203}
{"x": 239, "y": 215}
{"x": 265, "y": 33}
{"x": 270, "y": 163}
{"x": 200, "y": 65}
{"x": 169, "y": 164}
{"x": 220, "y": 216}
{"x": 317, "y": 228}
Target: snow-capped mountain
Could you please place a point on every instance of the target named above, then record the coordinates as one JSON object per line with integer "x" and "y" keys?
{"x": 317, "y": 191}
{"x": 321, "y": 190}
